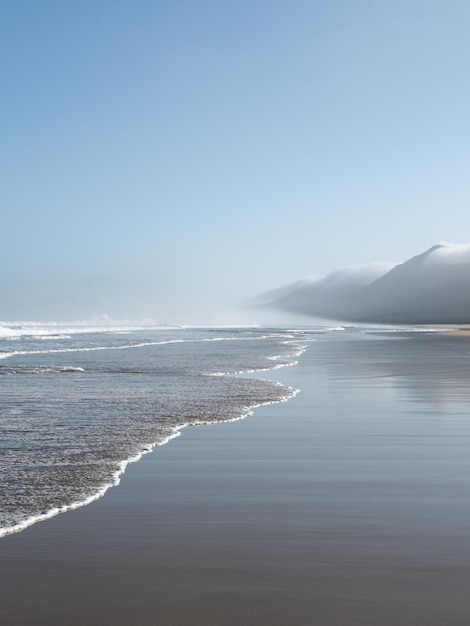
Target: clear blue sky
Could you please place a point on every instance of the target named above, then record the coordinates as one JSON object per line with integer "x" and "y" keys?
{"x": 161, "y": 158}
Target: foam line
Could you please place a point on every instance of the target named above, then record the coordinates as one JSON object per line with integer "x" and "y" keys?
{"x": 115, "y": 478}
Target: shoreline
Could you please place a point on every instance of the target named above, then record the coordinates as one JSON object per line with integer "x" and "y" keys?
{"x": 30, "y": 556}
{"x": 147, "y": 448}
{"x": 323, "y": 510}
{"x": 449, "y": 329}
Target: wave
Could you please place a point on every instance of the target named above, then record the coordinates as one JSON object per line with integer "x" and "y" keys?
{"x": 37, "y": 330}
{"x": 115, "y": 477}
{"x": 55, "y": 330}
{"x": 141, "y": 344}
{"x": 5, "y": 371}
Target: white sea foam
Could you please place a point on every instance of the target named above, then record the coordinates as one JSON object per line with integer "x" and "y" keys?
{"x": 141, "y": 344}
{"x": 39, "y": 330}
{"x": 115, "y": 477}
{"x": 43, "y": 370}
{"x": 13, "y": 329}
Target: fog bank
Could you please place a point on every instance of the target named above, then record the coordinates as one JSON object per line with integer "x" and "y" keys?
{"x": 430, "y": 288}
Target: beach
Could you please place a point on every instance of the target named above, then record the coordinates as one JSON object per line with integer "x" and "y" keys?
{"x": 347, "y": 505}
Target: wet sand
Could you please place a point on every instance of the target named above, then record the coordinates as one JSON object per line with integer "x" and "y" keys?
{"x": 347, "y": 505}
{"x": 452, "y": 329}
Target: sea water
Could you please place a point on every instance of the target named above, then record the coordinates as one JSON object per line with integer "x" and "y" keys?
{"x": 79, "y": 402}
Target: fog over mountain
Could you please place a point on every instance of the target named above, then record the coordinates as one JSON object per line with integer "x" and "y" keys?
{"x": 430, "y": 288}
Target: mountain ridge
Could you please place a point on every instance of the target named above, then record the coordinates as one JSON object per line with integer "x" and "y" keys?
{"x": 429, "y": 288}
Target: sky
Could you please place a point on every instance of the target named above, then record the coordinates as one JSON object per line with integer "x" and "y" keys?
{"x": 171, "y": 160}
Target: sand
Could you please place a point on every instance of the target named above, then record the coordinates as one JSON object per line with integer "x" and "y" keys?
{"x": 462, "y": 330}
{"x": 310, "y": 512}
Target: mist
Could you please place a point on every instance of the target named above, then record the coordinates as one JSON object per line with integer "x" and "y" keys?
{"x": 430, "y": 288}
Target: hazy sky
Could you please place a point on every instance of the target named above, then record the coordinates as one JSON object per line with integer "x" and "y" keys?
{"x": 160, "y": 158}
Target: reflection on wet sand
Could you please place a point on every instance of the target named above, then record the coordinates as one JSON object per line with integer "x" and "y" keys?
{"x": 431, "y": 368}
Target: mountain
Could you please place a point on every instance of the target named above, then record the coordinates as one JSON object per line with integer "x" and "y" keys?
{"x": 430, "y": 288}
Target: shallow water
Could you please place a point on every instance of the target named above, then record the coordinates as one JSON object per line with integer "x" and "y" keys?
{"x": 76, "y": 406}
{"x": 346, "y": 505}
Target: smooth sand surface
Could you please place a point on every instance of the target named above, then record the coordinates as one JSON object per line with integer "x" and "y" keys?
{"x": 451, "y": 329}
{"x": 339, "y": 507}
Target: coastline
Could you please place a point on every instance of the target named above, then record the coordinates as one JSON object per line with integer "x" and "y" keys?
{"x": 114, "y": 478}
{"x": 305, "y": 513}
{"x": 449, "y": 329}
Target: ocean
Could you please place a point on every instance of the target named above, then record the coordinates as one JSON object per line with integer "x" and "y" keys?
{"x": 347, "y": 504}
{"x": 79, "y": 402}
